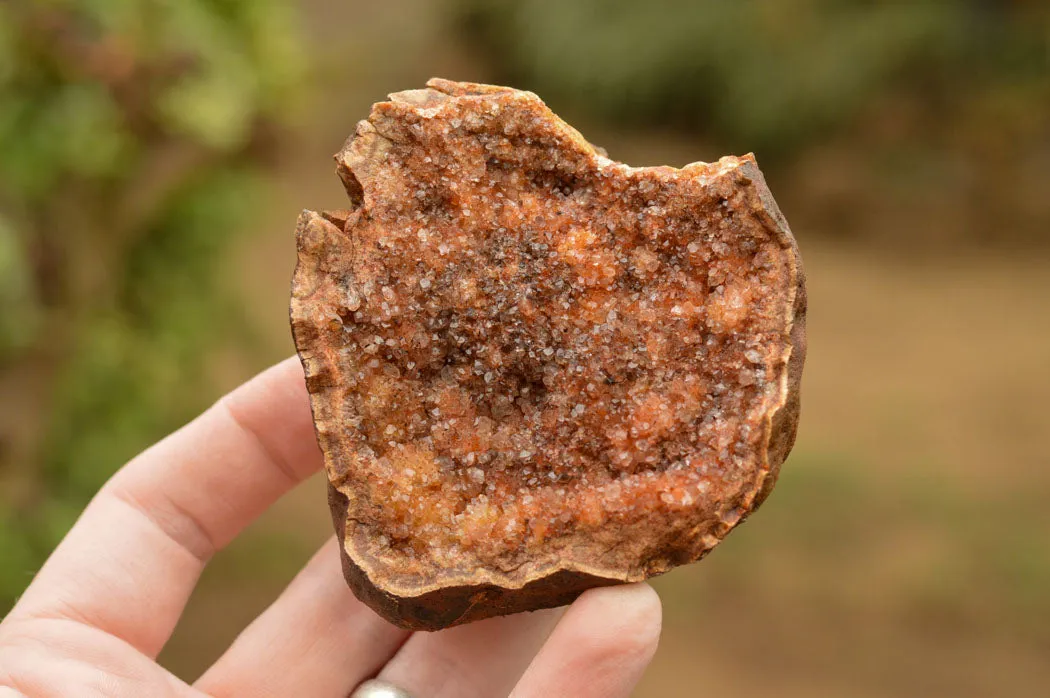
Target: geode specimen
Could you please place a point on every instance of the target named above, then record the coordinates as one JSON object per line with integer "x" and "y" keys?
{"x": 534, "y": 370}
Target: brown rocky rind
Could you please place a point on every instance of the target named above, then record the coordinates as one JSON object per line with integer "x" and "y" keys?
{"x": 534, "y": 370}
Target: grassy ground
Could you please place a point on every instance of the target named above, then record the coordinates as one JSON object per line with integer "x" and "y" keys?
{"x": 904, "y": 551}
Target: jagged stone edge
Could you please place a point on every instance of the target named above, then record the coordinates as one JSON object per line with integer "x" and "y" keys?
{"x": 489, "y": 593}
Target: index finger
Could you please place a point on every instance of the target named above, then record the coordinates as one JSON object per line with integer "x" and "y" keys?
{"x": 128, "y": 565}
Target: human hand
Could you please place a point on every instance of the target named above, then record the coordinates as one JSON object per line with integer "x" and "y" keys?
{"x": 104, "y": 604}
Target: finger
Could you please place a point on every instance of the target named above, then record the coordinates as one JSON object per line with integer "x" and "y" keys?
{"x": 479, "y": 660}
{"x": 54, "y": 657}
{"x": 315, "y": 640}
{"x": 130, "y": 562}
{"x": 600, "y": 648}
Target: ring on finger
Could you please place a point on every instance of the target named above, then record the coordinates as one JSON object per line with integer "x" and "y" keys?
{"x": 374, "y": 688}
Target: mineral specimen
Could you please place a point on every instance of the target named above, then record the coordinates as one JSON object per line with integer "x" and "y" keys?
{"x": 534, "y": 370}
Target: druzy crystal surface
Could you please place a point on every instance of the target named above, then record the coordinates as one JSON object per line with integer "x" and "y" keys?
{"x": 534, "y": 369}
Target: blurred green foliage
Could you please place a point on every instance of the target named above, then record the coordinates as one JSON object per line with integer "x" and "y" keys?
{"x": 132, "y": 139}
{"x": 765, "y": 75}
{"x": 886, "y": 113}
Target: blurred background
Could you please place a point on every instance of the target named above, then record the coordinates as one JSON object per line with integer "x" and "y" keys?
{"x": 154, "y": 155}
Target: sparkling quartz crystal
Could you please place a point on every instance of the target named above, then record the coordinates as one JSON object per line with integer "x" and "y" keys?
{"x": 534, "y": 370}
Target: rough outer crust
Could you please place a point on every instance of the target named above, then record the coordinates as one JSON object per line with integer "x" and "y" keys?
{"x": 443, "y": 607}
{"x": 411, "y": 594}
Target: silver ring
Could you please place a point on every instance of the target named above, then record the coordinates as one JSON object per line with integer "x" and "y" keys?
{"x": 374, "y": 688}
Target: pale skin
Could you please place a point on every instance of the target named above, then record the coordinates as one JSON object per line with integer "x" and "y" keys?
{"x": 98, "y": 613}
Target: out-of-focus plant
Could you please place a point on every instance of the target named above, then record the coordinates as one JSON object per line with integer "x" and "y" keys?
{"x": 888, "y": 112}
{"x": 132, "y": 138}
{"x": 764, "y": 72}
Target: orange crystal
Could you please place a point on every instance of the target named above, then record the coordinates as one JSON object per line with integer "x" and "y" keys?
{"x": 533, "y": 369}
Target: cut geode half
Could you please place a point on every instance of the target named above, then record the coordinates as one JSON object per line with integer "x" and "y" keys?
{"x": 534, "y": 370}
